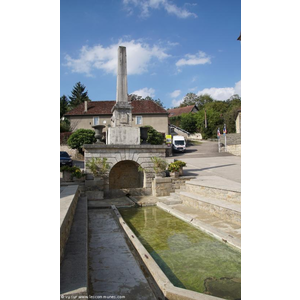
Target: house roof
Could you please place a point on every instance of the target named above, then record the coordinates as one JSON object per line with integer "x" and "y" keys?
{"x": 174, "y": 112}
{"x": 105, "y": 107}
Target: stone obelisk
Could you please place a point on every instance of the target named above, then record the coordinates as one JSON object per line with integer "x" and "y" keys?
{"x": 121, "y": 131}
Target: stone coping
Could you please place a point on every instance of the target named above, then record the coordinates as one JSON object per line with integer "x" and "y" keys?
{"x": 213, "y": 201}
{"x": 170, "y": 291}
{"x": 67, "y": 197}
{"x": 218, "y": 234}
{"x": 217, "y": 183}
{"x": 142, "y": 146}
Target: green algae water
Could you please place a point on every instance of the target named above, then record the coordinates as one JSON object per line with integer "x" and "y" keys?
{"x": 190, "y": 258}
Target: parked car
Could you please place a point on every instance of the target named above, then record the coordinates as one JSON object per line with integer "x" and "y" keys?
{"x": 65, "y": 159}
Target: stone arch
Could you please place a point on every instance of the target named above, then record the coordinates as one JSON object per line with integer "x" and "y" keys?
{"x": 125, "y": 174}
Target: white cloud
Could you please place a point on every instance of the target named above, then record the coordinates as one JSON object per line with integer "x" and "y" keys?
{"x": 222, "y": 93}
{"x": 199, "y": 58}
{"x": 176, "y": 103}
{"x": 144, "y": 92}
{"x": 146, "y": 5}
{"x": 216, "y": 93}
{"x": 139, "y": 56}
{"x": 175, "y": 94}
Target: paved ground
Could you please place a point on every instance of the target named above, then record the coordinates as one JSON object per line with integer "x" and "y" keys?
{"x": 205, "y": 160}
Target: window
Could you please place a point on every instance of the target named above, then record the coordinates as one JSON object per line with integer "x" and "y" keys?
{"x": 96, "y": 121}
{"x": 139, "y": 120}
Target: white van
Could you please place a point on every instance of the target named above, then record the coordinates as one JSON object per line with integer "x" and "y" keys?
{"x": 178, "y": 143}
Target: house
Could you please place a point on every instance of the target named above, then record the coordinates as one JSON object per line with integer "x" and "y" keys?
{"x": 174, "y": 112}
{"x": 144, "y": 112}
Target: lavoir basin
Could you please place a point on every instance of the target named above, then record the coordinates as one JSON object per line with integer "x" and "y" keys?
{"x": 190, "y": 258}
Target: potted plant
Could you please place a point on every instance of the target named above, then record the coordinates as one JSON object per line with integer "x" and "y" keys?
{"x": 181, "y": 164}
{"x": 71, "y": 173}
{"x": 174, "y": 169}
{"x": 159, "y": 166}
{"x": 78, "y": 175}
{"x": 98, "y": 166}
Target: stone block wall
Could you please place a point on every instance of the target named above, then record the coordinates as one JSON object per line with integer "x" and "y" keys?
{"x": 68, "y": 203}
{"x": 167, "y": 185}
{"x": 139, "y": 154}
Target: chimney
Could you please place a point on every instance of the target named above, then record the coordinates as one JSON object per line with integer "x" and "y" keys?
{"x": 85, "y": 106}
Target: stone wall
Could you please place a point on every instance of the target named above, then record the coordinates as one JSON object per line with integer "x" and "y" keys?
{"x": 140, "y": 154}
{"x": 72, "y": 152}
{"x": 167, "y": 185}
{"x": 68, "y": 203}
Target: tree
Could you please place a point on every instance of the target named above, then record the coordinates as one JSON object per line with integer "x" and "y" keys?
{"x": 134, "y": 97}
{"x": 154, "y": 137}
{"x": 189, "y": 99}
{"x": 80, "y": 137}
{"x": 64, "y": 105}
{"x": 203, "y": 99}
{"x": 188, "y": 122}
{"x": 78, "y": 95}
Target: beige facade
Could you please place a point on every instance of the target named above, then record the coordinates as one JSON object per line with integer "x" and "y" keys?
{"x": 159, "y": 122}
{"x": 238, "y": 122}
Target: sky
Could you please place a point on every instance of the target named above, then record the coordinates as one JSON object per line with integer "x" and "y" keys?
{"x": 173, "y": 47}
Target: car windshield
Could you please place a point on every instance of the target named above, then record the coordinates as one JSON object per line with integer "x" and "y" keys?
{"x": 179, "y": 143}
{"x": 64, "y": 154}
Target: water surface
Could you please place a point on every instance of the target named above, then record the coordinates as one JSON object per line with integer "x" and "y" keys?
{"x": 190, "y": 258}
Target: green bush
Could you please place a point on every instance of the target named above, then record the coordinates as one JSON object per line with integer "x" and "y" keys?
{"x": 154, "y": 137}
{"x": 160, "y": 164}
{"x": 81, "y": 137}
{"x": 65, "y": 125}
{"x": 98, "y": 166}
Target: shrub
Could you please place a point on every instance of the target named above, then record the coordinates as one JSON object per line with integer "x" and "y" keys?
{"x": 65, "y": 125}
{"x": 98, "y": 166}
{"x": 160, "y": 164}
{"x": 173, "y": 167}
{"x": 154, "y": 137}
{"x": 180, "y": 163}
{"x": 81, "y": 137}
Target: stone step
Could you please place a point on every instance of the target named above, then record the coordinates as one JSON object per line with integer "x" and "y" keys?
{"x": 216, "y": 188}
{"x": 216, "y": 207}
{"x": 173, "y": 199}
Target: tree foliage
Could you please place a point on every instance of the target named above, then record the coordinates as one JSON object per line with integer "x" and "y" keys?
{"x": 81, "y": 137}
{"x": 193, "y": 99}
{"x": 64, "y": 105}
{"x": 134, "y": 97}
{"x": 154, "y": 137}
{"x": 188, "y": 122}
{"x": 78, "y": 95}
{"x": 217, "y": 113}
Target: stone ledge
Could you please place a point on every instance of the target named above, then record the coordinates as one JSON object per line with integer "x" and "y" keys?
{"x": 68, "y": 202}
{"x": 143, "y": 146}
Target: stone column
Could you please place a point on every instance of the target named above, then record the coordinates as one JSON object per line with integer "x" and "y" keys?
{"x": 122, "y": 89}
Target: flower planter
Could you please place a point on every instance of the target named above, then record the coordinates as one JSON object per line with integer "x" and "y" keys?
{"x": 99, "y": 133}
{"x": 174, "y": 174}
{"x": 181, "y": 171}
{"x": 67, "y": 176}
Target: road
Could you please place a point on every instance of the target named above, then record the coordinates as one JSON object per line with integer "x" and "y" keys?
{"x": 205, "y": 160}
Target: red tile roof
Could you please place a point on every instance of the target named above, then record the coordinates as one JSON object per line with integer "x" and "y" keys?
{"x": 174, "y": 112}
{"x": 105, "y": 107}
